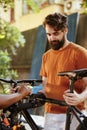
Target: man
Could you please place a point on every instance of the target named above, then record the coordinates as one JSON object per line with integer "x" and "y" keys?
{"x": 63, "y": 56}
{"x": 9, "y": 99}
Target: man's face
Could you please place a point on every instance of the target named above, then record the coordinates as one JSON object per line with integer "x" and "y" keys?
{"x": 56, "y": 38}
{"x": 57, "y": 44}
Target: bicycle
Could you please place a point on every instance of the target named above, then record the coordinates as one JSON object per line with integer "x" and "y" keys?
{"x": 72, "y": 110}
{"x": 20, "y": 108}
{"x": 36, "y": 100}
{"x": 14, "y": 112}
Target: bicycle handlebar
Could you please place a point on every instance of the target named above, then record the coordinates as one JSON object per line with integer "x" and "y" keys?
{"x": 77, "y": 74}
{"x": 31, "y": 81}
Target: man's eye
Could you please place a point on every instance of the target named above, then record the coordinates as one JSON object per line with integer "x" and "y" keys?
{"x": 48, "y": 34}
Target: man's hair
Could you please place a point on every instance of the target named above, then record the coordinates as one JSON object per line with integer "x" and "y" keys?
{"x": 56, "y": 20}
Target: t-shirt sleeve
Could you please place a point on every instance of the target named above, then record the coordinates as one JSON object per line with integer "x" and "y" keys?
{"x": 42, "y": 70}
{"x": 82, "y": 56}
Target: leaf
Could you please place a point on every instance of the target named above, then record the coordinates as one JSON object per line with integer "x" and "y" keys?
{"x": 10, "y": 36}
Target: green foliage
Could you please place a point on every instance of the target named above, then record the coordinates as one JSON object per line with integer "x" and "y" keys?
{"x": 33, "y": 5}
{"x": 6, "y": 4}
{"x": 5, "y": 71}
{"x": 10, "y": 37}
{"x": 5, "y": 66}
{"x": 10, "y": 40}
{"x": 84, "y": 6}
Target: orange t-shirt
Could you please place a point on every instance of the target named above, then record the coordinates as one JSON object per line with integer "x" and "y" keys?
{"x": 70, "y": 58}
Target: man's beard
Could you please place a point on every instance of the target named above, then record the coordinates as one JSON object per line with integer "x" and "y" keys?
{"x": 56, "y": 44}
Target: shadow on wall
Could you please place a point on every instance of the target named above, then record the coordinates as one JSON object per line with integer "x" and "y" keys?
{"x": 39, "y": 49}
{"x": 28, "y": 59}
{"x": 23, "y": 60}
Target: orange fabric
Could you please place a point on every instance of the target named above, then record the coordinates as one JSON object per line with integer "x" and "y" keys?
{"x": 72, "y": 57}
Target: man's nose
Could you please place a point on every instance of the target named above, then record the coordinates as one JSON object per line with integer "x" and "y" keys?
{"x": 52, "y": 38}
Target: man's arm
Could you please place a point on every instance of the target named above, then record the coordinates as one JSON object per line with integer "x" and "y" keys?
{"x": 9, "y": 99}
{"x": 44, "y": 81}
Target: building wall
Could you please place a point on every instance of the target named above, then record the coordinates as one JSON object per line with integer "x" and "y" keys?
{"x": 18, "y": 9}
{"x": 23, "y": 60}
{"x": 33, "y": 20}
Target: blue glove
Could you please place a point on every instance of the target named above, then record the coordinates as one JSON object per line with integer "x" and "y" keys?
{"x": 36, "y": 89}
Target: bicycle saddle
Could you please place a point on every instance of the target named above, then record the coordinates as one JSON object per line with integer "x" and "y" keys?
{"x": 80, "y": 73}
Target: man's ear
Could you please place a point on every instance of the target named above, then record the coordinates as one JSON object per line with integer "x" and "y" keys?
{"x": 66, "y": 30}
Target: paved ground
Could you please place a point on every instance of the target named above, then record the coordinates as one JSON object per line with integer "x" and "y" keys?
{"x": 39, "y": 120}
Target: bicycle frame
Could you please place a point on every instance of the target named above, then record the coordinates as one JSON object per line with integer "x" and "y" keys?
{"x": 23, "y": 107}
{"x": 73, "y": 110}
{"x": 73, "y": 77}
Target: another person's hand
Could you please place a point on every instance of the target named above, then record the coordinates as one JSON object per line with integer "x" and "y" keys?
{"x": 23, "y": 90}
{"x": 19, "y": 93}
{"x": 72, "y": 98}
